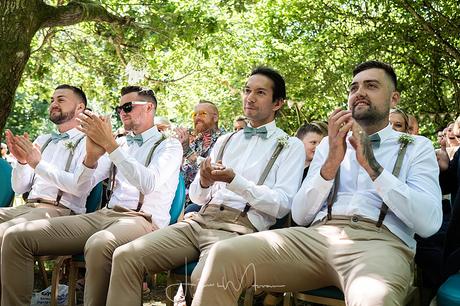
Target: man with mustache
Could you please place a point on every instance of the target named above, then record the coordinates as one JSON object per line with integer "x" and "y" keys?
{"x": 355, "y": 241}
{"x": 46, "y": 168}
{"x": 205, "y": 118}
{"x": 239, "y": 189}
{"x": 54, "y": 189}
{"x": 144, "y": 177}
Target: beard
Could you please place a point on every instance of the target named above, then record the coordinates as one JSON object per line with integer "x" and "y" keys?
{"x": 60, "y": 117}
{"x": 369, "y": 116}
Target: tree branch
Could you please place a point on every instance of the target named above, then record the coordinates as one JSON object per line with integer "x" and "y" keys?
{"x": 430, "y": 29}
{"x": 78, "y": 11}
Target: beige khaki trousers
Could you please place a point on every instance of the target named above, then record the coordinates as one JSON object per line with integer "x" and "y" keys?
{"x": 10, "y": 216}
{"x": 96, "y": 234}
{"x": 370, "y": 265}
{"x": 171, "y": 247}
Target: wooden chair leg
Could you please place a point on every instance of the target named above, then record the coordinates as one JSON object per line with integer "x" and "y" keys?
{"x": 287, "y": 301}
{"x": 41, "y": 267}
{"x": 249, "y": 296}
{"x": 73, "y": 277}
{"x": 58, "y": 264}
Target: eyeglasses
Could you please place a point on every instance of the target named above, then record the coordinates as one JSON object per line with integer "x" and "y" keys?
{"x": 200, "y": 114}
{"x": 128, "y": 106}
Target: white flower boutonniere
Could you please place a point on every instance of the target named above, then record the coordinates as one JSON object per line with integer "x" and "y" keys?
{"x": 70, "y": 146}
{"x": 406, "y": 139}
{"x": 283, "y": 141}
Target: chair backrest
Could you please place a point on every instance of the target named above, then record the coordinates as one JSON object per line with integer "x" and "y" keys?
{"x": 6, "y": 191}
{"x": 94, "y": 198}
{"x": 178, "y": 202}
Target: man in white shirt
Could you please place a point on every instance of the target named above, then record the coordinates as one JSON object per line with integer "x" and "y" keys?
{"x": 350, "y": 243}
{"x": 54, "y": 188}
{"x": 143, "y": 190}
{"x": 229, "y": 186}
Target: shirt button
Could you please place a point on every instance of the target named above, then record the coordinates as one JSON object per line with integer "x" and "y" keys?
{"x": 221, "y": 207}
{"x": 354, "y": 219}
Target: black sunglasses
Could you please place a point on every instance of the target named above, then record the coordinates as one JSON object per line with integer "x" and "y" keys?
{"x": 128, "y": 106}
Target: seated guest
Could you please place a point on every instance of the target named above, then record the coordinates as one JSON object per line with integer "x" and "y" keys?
{"x": 247, "y": 182}
{"x": 363, "y": 216}
{"x": 47, "y": 168}
{"x": 413, "y": 125}
{"x": 239, "y": 123}
{"x": 311, "y": 135}
{"x": 452, "y": 142}
{"x": 205, "y": 118}
{"x": 144, "y": 174}
{"x": 399, "y": 120}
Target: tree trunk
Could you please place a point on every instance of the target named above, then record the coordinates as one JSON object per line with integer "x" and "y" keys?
{"x": 18, "y": 25}
{"x": 19, "y": 21}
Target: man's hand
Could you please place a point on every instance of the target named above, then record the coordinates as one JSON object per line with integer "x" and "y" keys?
{"x": 443, "y": 159}
{"x": 98, "y": 128}
{"x": 339, "y": 124}
{"x": 364, "y": 152}
{"x": 221, "y": 173}
{"x": 93, "y": 153}
{"x": 205, "y": 173}
{"x": 14, "y": 149}
{"x": 183, "y": 136}
{"x": 31, "y": 151}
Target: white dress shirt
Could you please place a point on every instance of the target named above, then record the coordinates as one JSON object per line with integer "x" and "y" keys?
{"x": 248, "y": 158}
{"x": 414, "y": 198}
{"x": 158, "y": 182}
{"x": 50, "y": 174}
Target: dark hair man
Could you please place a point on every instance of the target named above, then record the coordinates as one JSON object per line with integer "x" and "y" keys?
{"x": 361, "y": 232}
{"x": 237, "y": 199}
{"x": 144, "y": 174}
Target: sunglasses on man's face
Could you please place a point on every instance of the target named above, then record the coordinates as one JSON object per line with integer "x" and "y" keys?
{"x": 128, "y": 106}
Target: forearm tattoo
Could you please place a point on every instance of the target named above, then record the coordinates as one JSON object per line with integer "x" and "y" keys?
{"x": 370, "y": 158}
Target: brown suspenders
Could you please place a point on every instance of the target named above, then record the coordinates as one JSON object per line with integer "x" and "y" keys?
{"x": 265, "y": 172}
{"x": 384, "y": 208}
{"x": 67, "y": 166}
{"x": 113, "y": 172}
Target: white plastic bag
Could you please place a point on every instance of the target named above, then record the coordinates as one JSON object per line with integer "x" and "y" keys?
{"x": 44, "y": 297}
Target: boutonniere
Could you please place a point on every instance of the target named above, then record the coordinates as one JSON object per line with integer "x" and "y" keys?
{"x": 283, "y": 141}
{"x": 406, "y": 139}
{"x": 69, "y": 145}
{"x": 169, "y": 133}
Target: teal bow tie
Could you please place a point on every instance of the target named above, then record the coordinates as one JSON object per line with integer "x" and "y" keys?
{"x": 250, "y": 131}
{"x": 137, "y": 139}
{"x": 375, "y": 140}
{"x": 56, "y": 137}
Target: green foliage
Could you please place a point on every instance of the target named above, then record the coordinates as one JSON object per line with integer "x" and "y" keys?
{"x": 191, "y": 50}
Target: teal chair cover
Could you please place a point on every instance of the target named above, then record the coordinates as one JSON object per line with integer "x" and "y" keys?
{"x": 178, "y": 202}
{"x": 449, "y": 292}
{"x": 6, "y": 191}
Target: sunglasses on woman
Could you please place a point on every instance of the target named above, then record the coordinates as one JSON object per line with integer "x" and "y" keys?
{"x": 128, "y": 106}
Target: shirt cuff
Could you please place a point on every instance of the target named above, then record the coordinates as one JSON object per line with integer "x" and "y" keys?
{"x": 386, "y": 182}
{"x": 117, "y": 155}
{"x": 318, "y": 182}
{"x": 238, "y": 184}
{"x": 41, "y": 167}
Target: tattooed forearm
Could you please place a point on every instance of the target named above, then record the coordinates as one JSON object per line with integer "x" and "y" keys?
{"x": 375, "y": 167}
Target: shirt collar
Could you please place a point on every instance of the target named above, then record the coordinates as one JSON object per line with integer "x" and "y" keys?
{"x": 72, "y": 133}
{"x": 151, "y": 133}
{"x": 271, "y": 128}
{"x": 385, "y": 133}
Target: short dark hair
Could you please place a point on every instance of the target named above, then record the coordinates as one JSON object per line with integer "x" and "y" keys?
{"x": 141, "y": 91}
{"x": 279, "y": 86}
{"x": 379, "y": 65}
{"x": 317, "y": 127}
{"x": 76, "y": 90}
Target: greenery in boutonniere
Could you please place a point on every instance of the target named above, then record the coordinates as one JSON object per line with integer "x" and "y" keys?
{"x": 406, "y": 139}
{"x": 70, "y": 146}
{"x": 283, "y": 141}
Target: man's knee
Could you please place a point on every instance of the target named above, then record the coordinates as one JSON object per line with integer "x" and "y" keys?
{"x": 124, "y": 255}
{"x": 100, "y": 244}
{"x": 373, "y": 290}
